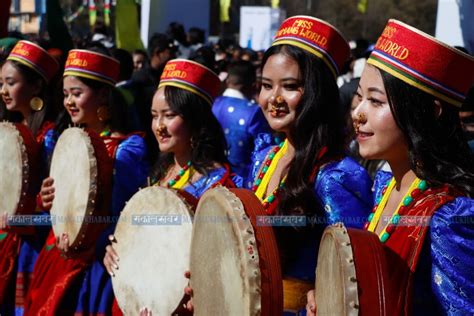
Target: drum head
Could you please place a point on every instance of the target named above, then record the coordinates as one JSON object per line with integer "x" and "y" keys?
{"x": 352, "y": 276}
{"x": 74, "y": 170}
{"x": 13, "y": 162}
{"x": 18, "y": 169}
{"x": 336, "y": 285}
{"x": 153, "y": 238}
{"x": 234, "y": 269}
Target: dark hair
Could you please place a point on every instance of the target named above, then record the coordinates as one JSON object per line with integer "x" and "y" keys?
{"x": 196, "y": 35}
{"x": 319, "y": 124}
{"x": 242, "y": 73}
{"x": 207, "y": 137}
{"x": 176, "y": 31}
{"x": 49, "y": 110}
{"x": 140, "y": 52}
{"x": 116, "y": 105}
{"x": 158, "y": 43}
{"x": 205, "y": 56}
{"x": 126, "y": 63}
{"x": 437, "y": 148}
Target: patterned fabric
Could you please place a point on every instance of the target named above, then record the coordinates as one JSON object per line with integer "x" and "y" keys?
{"x": 443, "y": 280}
{"x": 241, "y": 121}
{"x": 213, "y": 177}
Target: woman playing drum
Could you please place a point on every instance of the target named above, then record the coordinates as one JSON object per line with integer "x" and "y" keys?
{"x": 408, "y": 115}
{"x": 190, "y": 139}
{"x": 81, "y": 284}
{"x": 27, "y": 81}
{"x": 307, "y": 174}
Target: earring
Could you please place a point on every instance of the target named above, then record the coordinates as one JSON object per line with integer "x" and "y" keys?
{"x": 103, "y": 113}
{"x": 36, "y": 104}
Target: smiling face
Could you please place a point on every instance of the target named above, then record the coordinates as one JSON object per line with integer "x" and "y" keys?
{"x": 170, "y": 130}
{"x": 81, "y": 101}
{"x": 16, "y": 91}
{"x": 378, "y": 134}
{"x": 281, "y": 91}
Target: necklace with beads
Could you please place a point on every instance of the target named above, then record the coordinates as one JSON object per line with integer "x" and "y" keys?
{"x": 107, "y": 132}
{"x": 268, "y": 168}
{"x": 417, "y": 187}
{"x": 182, "y": 178}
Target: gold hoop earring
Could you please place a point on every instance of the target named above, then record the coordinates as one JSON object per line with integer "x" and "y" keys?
{"x": 36, "y": 104}
{"x": 103, "y": 113}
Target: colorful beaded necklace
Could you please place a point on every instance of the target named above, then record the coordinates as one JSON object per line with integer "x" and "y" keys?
{"x": 182, "y": 177}
{"x": 416, "y": 188}
{"x": 268, "y": 168}
{"x": 107, "y": 132}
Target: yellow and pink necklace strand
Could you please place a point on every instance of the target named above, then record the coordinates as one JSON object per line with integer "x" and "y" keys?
{"x": 265, "y": 174}
{"x": 416, "y": 189}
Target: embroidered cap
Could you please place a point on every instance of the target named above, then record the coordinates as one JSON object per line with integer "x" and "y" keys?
{"x": 92, "y": 65}
{"x": 424, "y": 62}
{"x": 191, "y": 76}
{"x": 317, "y": 37}
{"x": 36, "y": 58}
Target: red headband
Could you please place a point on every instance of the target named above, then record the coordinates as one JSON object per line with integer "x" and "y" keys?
{"x": 317, "y": 37}
{"x": 424, "y": 62}
{"x": 36, "y": 58}
{"x": 191, "y": 76}
{"x": 92, "y": 65}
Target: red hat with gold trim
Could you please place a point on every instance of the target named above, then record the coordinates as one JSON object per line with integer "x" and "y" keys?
{"x": 317, "y": 37}
{"x": 92, "y": 65}
{"x": 36, "y": 58}
{"x": 191, "y": 76}
{"x": 422, "y": 61}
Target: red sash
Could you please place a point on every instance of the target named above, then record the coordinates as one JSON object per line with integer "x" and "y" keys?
{"x": 9, "y": 249}
{"x": 405, "y": 243}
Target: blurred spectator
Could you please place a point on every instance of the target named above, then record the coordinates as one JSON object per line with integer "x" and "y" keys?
{"x": 178, "y": 35}
{"x": 240, "y": 117}
{"x": 196, "y": 39}
{"x": 140, "y": 59}
{"x": 145, "y": 82}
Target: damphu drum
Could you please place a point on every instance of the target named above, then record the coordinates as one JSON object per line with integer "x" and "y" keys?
{"x": 153, "y": 237}
{"x": 352, "y": 274}
{"x": 235, "y": 264}
{"x": 82, "y": 173}
{"x": 19, "y": 174}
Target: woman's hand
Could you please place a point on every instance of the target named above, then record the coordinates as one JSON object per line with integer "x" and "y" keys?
{"x": 111, "y": 260}
{"x": 62, "y": 242}
{"x": 4, "y": 221}
{"x": 145, "y": 312}
{"x": 47, "y": 193}
{"x": 189, "y": 291}
{"x": 311, "y": 303}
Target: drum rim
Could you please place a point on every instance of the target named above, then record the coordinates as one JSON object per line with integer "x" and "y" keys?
{"x": 341, "y": 236}
{"x": 93, "y": 176}
{"x": 19, "y": 133}
{"x": 248, "y": 239}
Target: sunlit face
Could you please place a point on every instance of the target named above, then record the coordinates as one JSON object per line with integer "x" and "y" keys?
{"x": 16, "y": 91}
{"x": 170, "y": 130}
{"x": 81, "y": 101}
{"x": 281, "y": 92}
{"x": 378, "y": 135}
